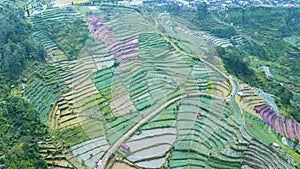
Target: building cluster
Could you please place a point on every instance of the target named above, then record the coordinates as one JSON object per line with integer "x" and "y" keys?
{"x": 244, "y": 3}
{"x": 214, "y": 4}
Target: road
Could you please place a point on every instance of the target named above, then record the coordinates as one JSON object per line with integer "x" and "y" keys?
{"x": 231, "y": 81}
{"x": 233, "y": 84}
{"x": 102, "y": 163}
{"x": 113, "y": 148}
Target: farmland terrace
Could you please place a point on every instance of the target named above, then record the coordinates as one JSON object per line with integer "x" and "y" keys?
{"x": 148, "y": 82}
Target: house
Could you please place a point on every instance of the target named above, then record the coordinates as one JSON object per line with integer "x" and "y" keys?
{"x": 37, "y": 11}
{"x": 241, "y": 94}
{"x": 224, "y": 7}
{"x": 50, "y": 5}
{"x": 138, "y": 132}
{"x": 125, "y": 148}
{"x": 199, "y": 115}
{"x": 275, "y": 145}
{"x": 250, "y": 124}
{"x": 69, "y": 8}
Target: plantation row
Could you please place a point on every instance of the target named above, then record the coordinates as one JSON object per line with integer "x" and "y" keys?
{"x": 141, "y": 83}
{"x": 237, "y": 39}
{"x": 43, "y": 87}
{"x": 217, "y": 140}
{"x": 127, "y": 93}
{"x": 121, "y": 50}
{"x": 76, "y": 115}
{"x": 80, "y": 104}
{"x": 121, "y": 104}
{"x": 101, "y": 55}
{"x": 60, "y": 15}
{"x": 166, "y": 119}
{"x": 151, "y": 144}
{"x": 248, "y": 98}
{"x": 180, "y": 32}
{"x": 55, "y": 154}
{"x": 71, "y": 103}
{"x": 259, "y": 155}
{"x": 281, "y": 125}
{"x": 125, "y": 23}
{"x": 209, "y": 80}
{"x": 155, "y": 73}
{"x": 89, "y": 152}
{"x": 43, "y": 37}
{"x": 224, "y": 43}
{"x": 55, "y": 29}
{"x": 145, "y": 79}
{"x": 214, "y": 139}
{"x": 186, "y": 36}
{"x": 105, "y": 99}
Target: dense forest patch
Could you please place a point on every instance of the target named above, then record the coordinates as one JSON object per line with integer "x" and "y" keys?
{"x": 20, "y": 125}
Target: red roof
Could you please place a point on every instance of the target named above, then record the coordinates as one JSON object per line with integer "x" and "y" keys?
{"x": 199, "y": 115}
{"x": 250, "y": 124}
{"x": 124, "y": 147}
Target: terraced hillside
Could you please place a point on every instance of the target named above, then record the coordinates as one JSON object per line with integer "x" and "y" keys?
{"x": 281, "y": 125}
{"x": 54, "y": 153}
{"x": 189, "y": 38}
{"x": 140, "y": 80}
{"x": 44, "y": 85}
{"x": 62, "y": 32}
{"x": 149, "y": 79}
{"x": 216, "y": 140}
{"x": 211, "y": 141}
{"x": 259, "y": 155}
{"x": 151, "y": 144}
{"x": 145, "y": 83}
{"x": 247, "y": 98}
{"x": 89, "y": 152}
{"x": 79, "y": 106}
{"x": 77, "y": 116}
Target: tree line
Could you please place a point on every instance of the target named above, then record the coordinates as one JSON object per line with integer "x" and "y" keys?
{"x": 17, "y": 46}
{"x": 20, "y": 125}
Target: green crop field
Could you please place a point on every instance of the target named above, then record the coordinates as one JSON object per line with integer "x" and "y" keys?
{"x": 147, "y": 87}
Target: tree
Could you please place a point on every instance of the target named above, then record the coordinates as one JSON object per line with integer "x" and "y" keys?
{"x": 202, "y": 10}
{"x": 284, "y": 30}
{"x": 17, "y": 47}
